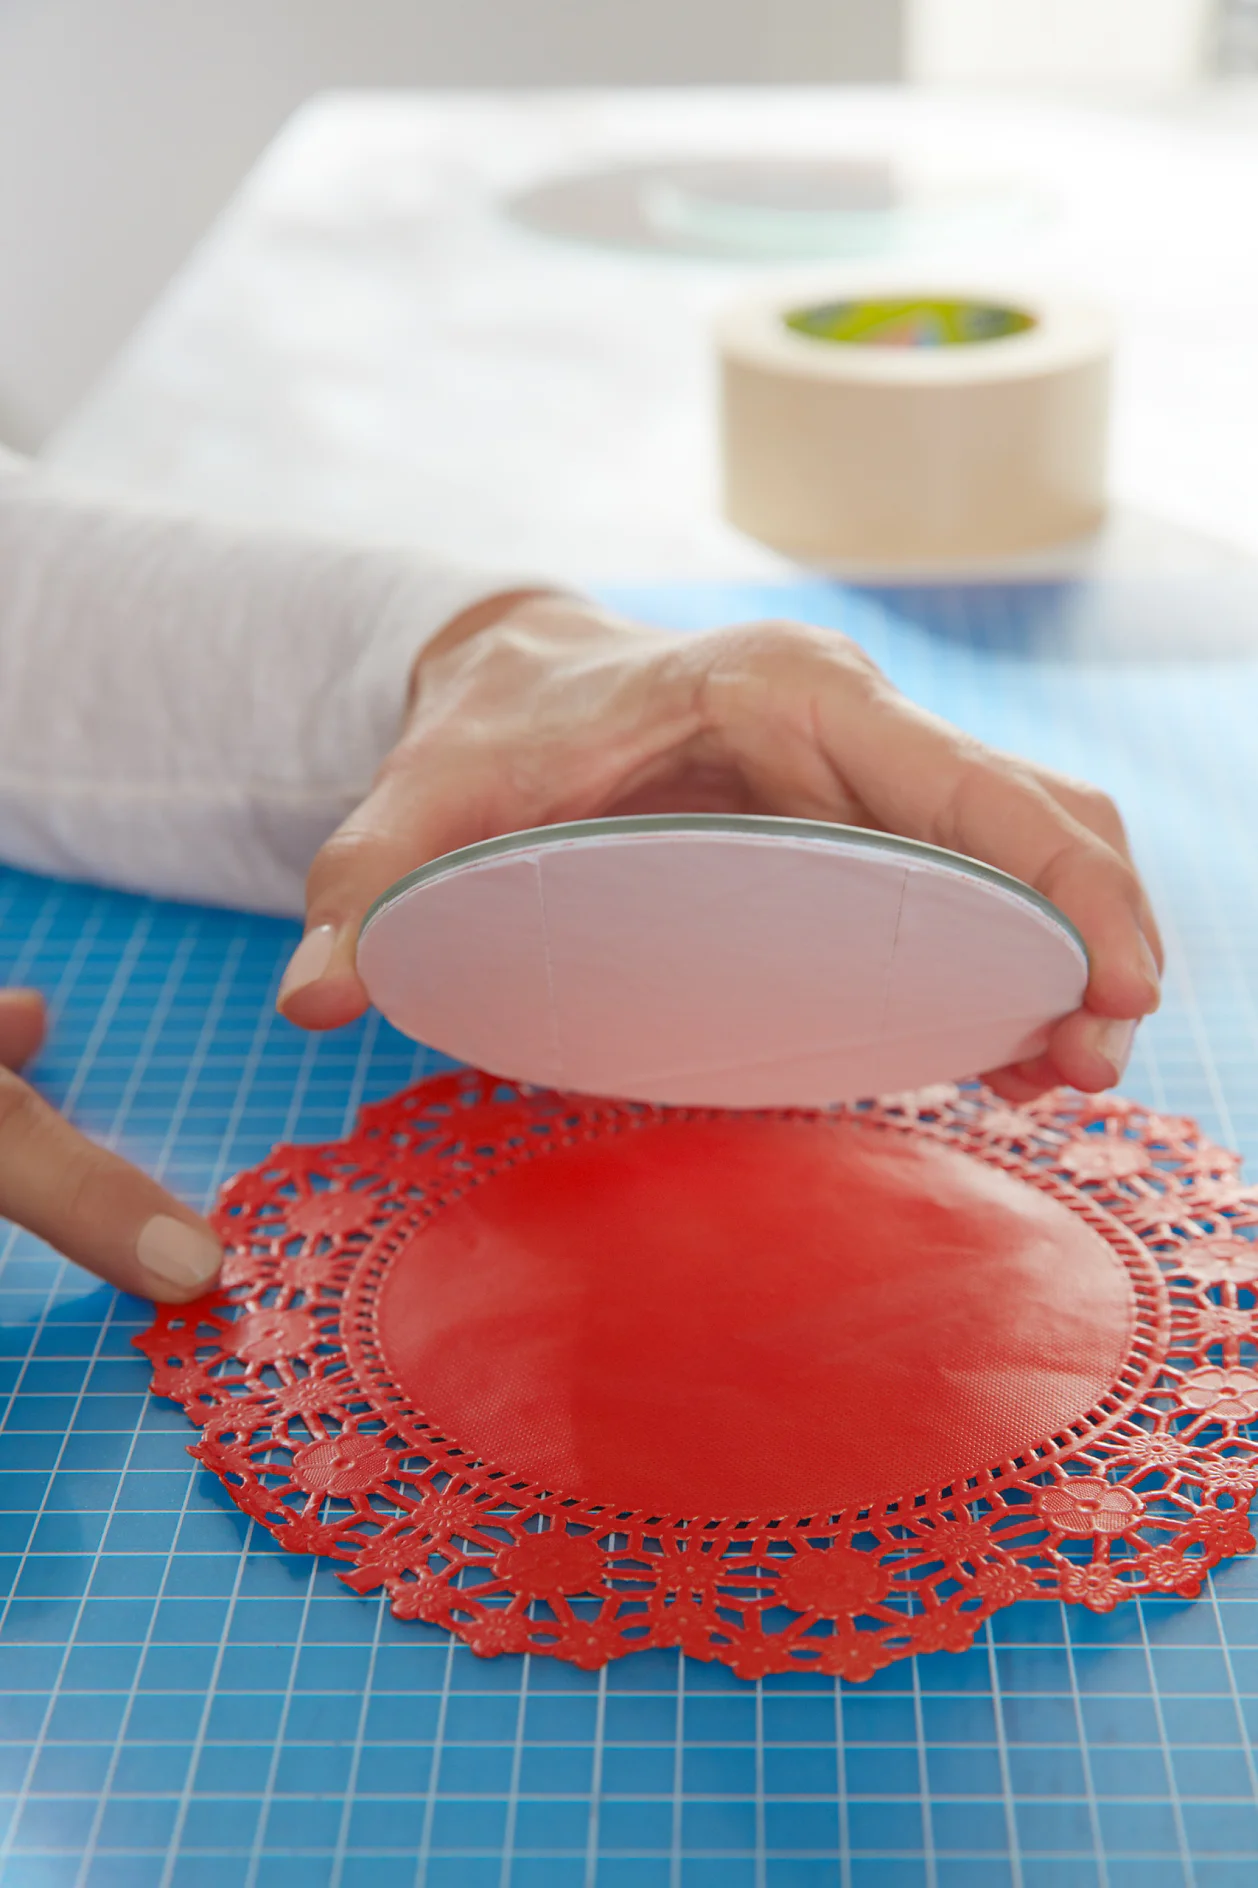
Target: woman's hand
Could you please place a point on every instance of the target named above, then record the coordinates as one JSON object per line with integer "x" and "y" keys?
{"x": 89, "y": 1204}
{"x": 546, "y": 709}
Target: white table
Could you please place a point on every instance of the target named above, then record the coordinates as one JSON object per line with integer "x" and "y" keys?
{"x": 366, "y": 343}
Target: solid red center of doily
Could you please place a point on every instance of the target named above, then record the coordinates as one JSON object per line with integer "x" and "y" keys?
{"x": 740, "y": 1317}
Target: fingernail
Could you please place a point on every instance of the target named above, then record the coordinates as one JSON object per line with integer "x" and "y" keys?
{"x": 181, "y": 1254}
{"x": 308, "y": 962}
{"x": 1112, "y": 1040}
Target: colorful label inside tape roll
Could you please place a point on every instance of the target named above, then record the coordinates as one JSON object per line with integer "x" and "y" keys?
{"x": 920, "y": 321}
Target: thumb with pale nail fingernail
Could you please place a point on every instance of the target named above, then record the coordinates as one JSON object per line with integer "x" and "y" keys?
{"x": 308, "y": 962}
{"x": 320, "y": 988}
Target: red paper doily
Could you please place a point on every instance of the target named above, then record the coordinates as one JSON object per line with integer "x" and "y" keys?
{"x": 784, "y": 1390}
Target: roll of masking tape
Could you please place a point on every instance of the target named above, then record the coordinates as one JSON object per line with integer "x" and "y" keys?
{"x": 897, "y": 429}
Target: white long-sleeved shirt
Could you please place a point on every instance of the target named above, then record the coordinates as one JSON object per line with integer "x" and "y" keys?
{"x": 189, "y": 709}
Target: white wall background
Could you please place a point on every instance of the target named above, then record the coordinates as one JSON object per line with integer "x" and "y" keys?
{"x": 124, "y": 124}
{"x": 1107, "y": 46}
{"x": 1238, "y": 36}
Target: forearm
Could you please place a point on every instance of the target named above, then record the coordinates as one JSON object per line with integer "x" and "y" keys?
{"x": 188, "y": 709}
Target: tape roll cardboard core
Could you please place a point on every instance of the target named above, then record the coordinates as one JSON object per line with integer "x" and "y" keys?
{"x": 884, "y": 429}
{"x": 922, "y": 321}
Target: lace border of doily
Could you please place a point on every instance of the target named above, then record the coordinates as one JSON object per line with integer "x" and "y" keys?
{"x": 300, "y": 1421}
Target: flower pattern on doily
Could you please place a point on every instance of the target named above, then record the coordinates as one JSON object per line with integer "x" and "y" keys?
{"x": 838, "y": 1584}
{"x": 1145, "y": 1497}
{"x": 343, "y": 1465}
{"x": 1219, "y": 1261}
{"x": 1087, "y": 1504}
{"x": 1230, "y": 1396}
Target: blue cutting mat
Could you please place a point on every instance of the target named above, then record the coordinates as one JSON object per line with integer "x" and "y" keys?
{"x": 183, "y": 1706}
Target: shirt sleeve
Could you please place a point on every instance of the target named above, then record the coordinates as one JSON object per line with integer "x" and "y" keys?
{"x": 189, "y": 709}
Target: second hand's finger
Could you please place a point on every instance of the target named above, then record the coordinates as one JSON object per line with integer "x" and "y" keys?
{"x": 23, "y": 1026}
{"x": 95, "y": 1207}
